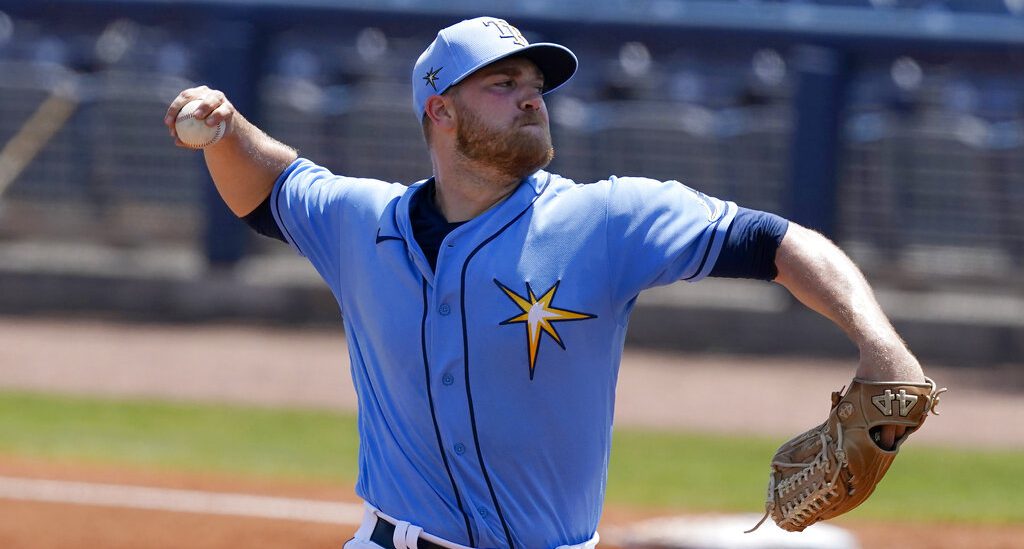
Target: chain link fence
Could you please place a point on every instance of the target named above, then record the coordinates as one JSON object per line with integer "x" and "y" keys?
{"x": 931, "y": 188}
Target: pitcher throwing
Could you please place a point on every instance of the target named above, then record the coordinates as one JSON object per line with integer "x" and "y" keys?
{"x": 486, "y": 306}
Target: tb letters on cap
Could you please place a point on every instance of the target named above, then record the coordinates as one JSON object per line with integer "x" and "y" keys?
{"x": 507, "y": 31}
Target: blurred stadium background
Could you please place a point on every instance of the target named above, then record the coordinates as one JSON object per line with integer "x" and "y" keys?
{"x": 894, "y": 126}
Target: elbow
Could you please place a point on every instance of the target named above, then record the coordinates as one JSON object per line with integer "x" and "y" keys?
{"x": 799, "y": 250}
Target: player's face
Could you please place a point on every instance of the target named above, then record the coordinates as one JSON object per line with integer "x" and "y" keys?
{"x": 502, "y": 118}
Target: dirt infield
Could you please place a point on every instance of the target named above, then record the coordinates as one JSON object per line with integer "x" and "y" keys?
{"x": 29, "y": 524}
{"x": 35, "y": 525}
{"x": 308, "y": 368}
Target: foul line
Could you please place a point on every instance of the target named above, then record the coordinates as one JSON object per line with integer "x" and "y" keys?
{"x": 187, "y": 501}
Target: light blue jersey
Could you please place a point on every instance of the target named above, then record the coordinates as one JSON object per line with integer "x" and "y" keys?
{"x": 487, "y": 388}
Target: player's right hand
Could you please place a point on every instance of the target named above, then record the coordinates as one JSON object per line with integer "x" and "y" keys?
{"x": 214, "y": 109}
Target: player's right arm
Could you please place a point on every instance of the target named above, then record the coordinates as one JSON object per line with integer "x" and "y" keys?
{"x": 246, "y": 162}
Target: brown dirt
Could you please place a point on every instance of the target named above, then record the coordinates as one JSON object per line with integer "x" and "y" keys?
{"x": 934, "y": 536}
{"x": 50, "y": 525}
{"x": 35, "y": 525}
{"x": 308, "y": 368}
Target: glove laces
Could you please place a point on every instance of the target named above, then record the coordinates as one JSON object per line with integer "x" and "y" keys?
{"x": 810, "y": 501}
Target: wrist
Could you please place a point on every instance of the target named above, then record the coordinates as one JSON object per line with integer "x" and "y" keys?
{"x": 888, "y": 361}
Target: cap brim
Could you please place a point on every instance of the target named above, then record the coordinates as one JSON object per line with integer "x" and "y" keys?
{"x": 557, "y": 63}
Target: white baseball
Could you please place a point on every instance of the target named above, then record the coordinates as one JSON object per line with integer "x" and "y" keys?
{"x": 194, "y": 132}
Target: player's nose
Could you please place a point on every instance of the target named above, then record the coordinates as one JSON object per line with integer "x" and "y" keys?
{"x": 532, "y": 101}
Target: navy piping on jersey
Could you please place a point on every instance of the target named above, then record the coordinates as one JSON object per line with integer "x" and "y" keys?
{"x": 433, "y": 416}
{"x": 711, "y": 244}
{"x": 263, "y": 222}
{"x": 394, "y": 217}
{"x": 277, "y": 209}
{"x": 465, "y": 353}
{"x": 260, "y": 219}
{"x": 386, "y": 237}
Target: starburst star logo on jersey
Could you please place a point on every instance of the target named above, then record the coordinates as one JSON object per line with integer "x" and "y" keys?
{"x": 539, "y": 316}
{"x": 431, "y": 77}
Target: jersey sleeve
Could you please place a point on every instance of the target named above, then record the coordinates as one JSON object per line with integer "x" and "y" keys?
{"x": 316, "y": 210}
{"x": 662, "y": 231}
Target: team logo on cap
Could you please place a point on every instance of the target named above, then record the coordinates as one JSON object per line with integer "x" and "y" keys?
{"x": 507, "y": 31}
{"x": 538, "y": 314}
{"x": 431, "y": 77}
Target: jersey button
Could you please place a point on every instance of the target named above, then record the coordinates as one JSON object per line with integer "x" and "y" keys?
{"x": 447, "y": 379}
{"x": 483, "y": 511}
{"x": 444, "y": 309}
{"x": 460, "y": 448}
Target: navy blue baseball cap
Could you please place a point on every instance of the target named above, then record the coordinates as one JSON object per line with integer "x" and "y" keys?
{"x": 467, "y": 46}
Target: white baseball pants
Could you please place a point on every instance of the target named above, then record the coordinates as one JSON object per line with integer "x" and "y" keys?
{"x": 406, "y": 534}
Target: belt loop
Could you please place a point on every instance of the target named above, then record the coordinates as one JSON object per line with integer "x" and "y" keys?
{"x": 401, "y": 535}
{"x": 412, "y": 536}
{"x": 369, "y": 521}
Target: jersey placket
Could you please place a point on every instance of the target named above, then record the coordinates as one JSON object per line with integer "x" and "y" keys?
{"x": 448, "y": 386}
{"x": 448, "y": 341}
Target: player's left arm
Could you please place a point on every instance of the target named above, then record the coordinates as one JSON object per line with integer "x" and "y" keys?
{"x": 827, "y": 281}
{"x": 761, "y": 245}
{"x": 824, "y": 279}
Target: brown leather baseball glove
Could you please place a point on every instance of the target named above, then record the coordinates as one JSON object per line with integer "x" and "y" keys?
{"x": 835, "y": 466}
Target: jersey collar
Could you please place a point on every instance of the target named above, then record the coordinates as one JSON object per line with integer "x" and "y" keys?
{"x": 527, "y": 190}
{"x": 396, "y": 223}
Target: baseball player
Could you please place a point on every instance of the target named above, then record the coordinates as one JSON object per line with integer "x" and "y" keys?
{"x": 486, "y": 306}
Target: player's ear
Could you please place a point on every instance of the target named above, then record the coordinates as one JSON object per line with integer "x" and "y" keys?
{"x": 440, "y": 111}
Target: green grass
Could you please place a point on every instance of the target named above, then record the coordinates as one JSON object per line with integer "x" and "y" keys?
{"x": 650, "y": 469}
{"x": 925, "y": 483}
{"x": 688, "y": 470}
{"x": 238, "y": 440}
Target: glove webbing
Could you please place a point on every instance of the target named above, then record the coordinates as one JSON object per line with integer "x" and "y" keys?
{"x": 809, "y": 502}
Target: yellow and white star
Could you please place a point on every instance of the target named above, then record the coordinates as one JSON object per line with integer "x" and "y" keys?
{"x": 538, "y": 316}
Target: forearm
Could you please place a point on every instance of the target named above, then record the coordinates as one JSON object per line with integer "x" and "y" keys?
{"x": 824, "y": 279}
{"x": 245, "y": 164}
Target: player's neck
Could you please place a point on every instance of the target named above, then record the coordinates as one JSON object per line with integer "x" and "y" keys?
{"x": 463, "y": 194}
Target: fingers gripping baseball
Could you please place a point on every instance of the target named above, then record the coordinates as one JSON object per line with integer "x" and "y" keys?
{"x": 207, "y": 110}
